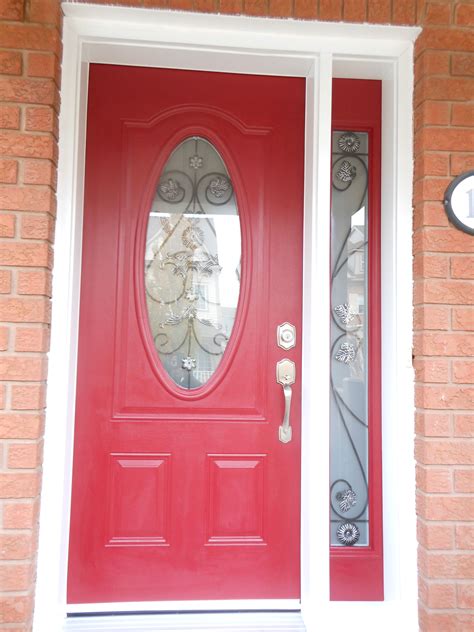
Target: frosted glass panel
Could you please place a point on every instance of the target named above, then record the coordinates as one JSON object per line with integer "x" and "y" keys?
{"x": 192, "y": 263}
{"x": 349, "y": 419}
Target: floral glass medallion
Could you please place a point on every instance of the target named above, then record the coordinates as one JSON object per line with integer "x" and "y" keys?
{"x": 192, "y": 263}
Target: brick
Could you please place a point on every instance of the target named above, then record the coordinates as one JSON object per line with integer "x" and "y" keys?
{"x": 462, "y": 65}
{"x": 9, "y": 117}
{"x": 431, "y": 164}
{"x": 437, "y": 13}
{"x": 444, "y": 397}
{"x": 436, "y": 621}
{"x": 465, "y": 596}
{"x": 39, "y": 119}
{"x": 432, "y": 62}
{"x": 11, "y": 9}
{"x": 37, "y": 226}
{"x": 30, "y": 339}
{"x": 26, "y": 199}
{"x": 443, "y": 344}
{"x": 42, "y": 65}
{"x": 432, "y": 424}
{"x": 4, "y": 336}
{"x": 464, "y": 425}
{"x": 27, "y": 90}
{"x": 431, "y": 317}
{"x": 8, "y": 171}
{"x": 11, "y": 62}
{"x": 464, "y": 535}
{"x": 182, "y": 5}
{"x": 20, "y": 426}
{"x": 429, "y": 214}
{"x": 464, "y": 481}
{"x": 24, "y": 456}
{"x": 442, "y": 240}
{"x": 19, "y": 485}
{"x": 464, "y": 14}
{"x": 463, "y": 318}
{"x": 230, "y": 6}
{"x": 431, "y": 189}
{"x": 20, "y": 515}
{"x": 379, "y": 11}
{"x": 454, "y": 292}
{"x": 432, "y": 113}
{"x": 280, "y": 8}
{"x": 255, "y": 7}
{"x": 463, "y": 371}
{"x": 431, "y": 370}
{"x": 15, "y": 547}
{"x": 3, "y": 390}
{"x": 26, "y": 145}
{"x": 462, "y": 267}
{"x": 28, "y": 397}
{"x": 430, "y": 266}
{"x": 15, "y": 609}
{"x": 444, "y": 139}
{"x": 22, "y": 254}
{"x": 446, "y": 565}
{"x": 444, "y": 452}
{"x": 39, "y": 172}
{"x": 434, "y": 480}
{"x": 330, "y": 10}
{"x": 25, "y": 310}
{"x": 45, "y": 11}
{"x": 204, "y": 6}
{"x": 7, "y": 225}
{"x": 434, "y": 537}
{"x": 15, "y": 577}
{"x": 22, "y": 369}
{"x": 450, "y": 39}
{"x": 461, "y": 163}
{"x": 404, "y": 12}
{"x": 354, "y": 11}
{"x": 29, "y": 37}
{"x": 462, "y": 114}
{"x": 36, "y": 282}
{"x": 435, "y": 595}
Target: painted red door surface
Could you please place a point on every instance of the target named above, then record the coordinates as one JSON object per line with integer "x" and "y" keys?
{"x": 182, "y": 489}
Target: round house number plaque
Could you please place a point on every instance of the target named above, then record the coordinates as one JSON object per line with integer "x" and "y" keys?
{"x": 459, "y": 202}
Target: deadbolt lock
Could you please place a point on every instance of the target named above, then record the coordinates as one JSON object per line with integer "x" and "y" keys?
{"x": 286, "y": 336}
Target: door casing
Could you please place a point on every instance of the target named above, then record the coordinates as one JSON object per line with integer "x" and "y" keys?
{"x": 317, "y": 52}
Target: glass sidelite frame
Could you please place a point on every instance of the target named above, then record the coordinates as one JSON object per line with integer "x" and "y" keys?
{"x": 192, "y": 263}
{"x": 355, "y": 374}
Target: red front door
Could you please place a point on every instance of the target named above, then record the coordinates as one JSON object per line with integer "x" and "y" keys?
{"x": 182, "y": 489}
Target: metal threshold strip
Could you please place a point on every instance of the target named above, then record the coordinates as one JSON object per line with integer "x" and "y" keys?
{"x": 171, "y": 622}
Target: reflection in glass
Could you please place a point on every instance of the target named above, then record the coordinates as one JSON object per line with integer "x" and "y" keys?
{"x": 349, "y": 419}
{"x": 192, "y": 263}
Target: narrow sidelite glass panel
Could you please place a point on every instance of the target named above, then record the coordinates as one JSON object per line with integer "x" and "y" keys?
{"x": 349, "y": 418}
{"x": 192, "y": 263}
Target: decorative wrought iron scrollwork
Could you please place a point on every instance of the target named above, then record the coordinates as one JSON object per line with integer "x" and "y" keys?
{"x": 349, "y": 498}
{"x": 182, "y": 265}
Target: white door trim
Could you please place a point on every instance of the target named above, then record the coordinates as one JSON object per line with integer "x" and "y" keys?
{"x": 318, "y": 52}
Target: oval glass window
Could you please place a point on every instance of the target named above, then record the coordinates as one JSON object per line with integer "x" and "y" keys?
{"x": 192, "y": 263}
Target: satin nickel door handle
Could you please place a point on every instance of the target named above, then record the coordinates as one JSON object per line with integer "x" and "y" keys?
{"x": 285, "y": 375}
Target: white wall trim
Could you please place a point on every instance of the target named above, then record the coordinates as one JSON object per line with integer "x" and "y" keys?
{"x": 280, "y": 47}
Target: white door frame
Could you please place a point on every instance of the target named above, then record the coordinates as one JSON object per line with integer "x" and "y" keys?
{"x": 317, "y": 51}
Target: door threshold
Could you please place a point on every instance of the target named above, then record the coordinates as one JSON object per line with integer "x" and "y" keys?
{"x": 270, "y": 621}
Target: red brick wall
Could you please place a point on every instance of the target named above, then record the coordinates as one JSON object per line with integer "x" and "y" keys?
{"x": 443, "y": 271}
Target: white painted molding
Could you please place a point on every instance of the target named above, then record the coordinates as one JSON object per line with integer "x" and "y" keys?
{"x": 313, "y": 50}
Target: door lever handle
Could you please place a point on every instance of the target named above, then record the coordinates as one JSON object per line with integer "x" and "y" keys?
{"x": 285, "y": 375}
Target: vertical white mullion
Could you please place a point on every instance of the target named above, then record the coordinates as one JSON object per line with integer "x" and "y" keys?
{"x": 316, "y": 346}
{"x": 51, "y": 582}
